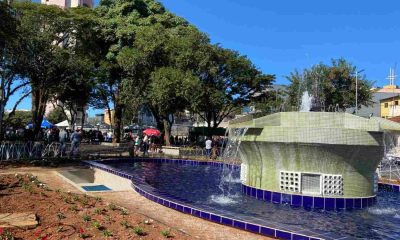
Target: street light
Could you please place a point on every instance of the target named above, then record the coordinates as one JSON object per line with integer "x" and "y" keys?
{"x": 357, "y": 89}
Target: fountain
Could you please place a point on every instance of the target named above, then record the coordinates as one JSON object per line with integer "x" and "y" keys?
{"x": 306, "y": 102}
{"x": 313, "y": 159}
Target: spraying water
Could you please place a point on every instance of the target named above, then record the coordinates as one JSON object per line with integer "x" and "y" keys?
{"x": 306, "y": 102}
{"x": 230, "y": 157}
{"x": 389, "y": 167}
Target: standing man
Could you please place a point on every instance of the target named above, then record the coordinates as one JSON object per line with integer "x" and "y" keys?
{"x": 76, "y": 139}
{"x": 208, "y": 147}
{"x": 145, "y": 145}
{"x": 63, "y": 138}
{"x": 137, "y": 145}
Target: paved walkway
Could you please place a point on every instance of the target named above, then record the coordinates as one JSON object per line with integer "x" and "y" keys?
{"x": 192, "y": 226}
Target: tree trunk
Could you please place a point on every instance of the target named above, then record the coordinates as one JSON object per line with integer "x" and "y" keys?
{"x": 167, "y": 131}
{"x": 1, "y": 120}
{"x": 38, "y": 110}
{"x": 117, "y": 122}
{"x": 83, "y": 117}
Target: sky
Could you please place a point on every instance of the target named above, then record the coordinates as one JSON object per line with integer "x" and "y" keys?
{"x": 281, "y": 36}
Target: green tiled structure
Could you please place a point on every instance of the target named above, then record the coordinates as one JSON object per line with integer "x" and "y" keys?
{"x": 313, "y": 153}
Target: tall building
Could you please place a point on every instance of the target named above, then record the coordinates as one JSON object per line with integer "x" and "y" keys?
{"x": 69, "y": 3}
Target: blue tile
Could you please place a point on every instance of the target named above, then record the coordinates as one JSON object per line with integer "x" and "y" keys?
{"x": 299, "y": 237}
{"x": 215, "y": 218}
{"x": 267, "y": 196}
{"x": 329, "y": 203}
{"x": 96, "y": 188}
{"x": 283, "y": 235}
{"x": 370, "y": 202}
{"x": 204, "y": 215}
{"x": 227, "y": 221}
{"x": 349, "y": 203}
{"x": 276, "y": 197}
{"x": 239, "y": 224}
{"x": 179, "y": 207}
{"x": 307, "y": 202}
{"x": 252, "y": 228}
{"x": 339, "y": 203}
{"x": 364, "y": 202}
{"x": 319, "y": 202}
{"x": 396, "y": 188}
{"x": 260, "y": 194}
{"x": 196, "y": 213}
{"x": 267, "y": 231}
{"x": 253, "y": 192}
{"x": 296, "y": 200}
{"x": 172, "y": 205}
{"x": 357, "y": 203}
{"x": 286, "y": 198}
{"x": 187, "y": 210}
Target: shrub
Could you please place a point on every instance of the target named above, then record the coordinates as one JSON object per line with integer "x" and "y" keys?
{"x": 107, "y": 233}
{"x": 139, "y": 231}
{"x": 86, "y": 218}
{"x": 96, "y": 225}
{"x": 166, "y": 233}
{"x": 60, "y": 216}
{"x": 112, "y": 206}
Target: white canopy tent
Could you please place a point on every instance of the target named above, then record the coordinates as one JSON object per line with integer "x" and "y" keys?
{"x": 63, "y": 124}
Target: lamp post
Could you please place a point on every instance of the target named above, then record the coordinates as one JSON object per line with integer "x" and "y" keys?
{"x": 357, "y": 89}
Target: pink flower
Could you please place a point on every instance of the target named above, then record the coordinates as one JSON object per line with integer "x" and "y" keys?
{"x": 1, "y": 230}
{"x": 44, "y": 238}
{"x": 81, "y": 230}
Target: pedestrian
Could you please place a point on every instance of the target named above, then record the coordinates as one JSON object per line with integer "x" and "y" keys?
{"x": 208, "y": 147}
{"x": 76, "y": 139}
{"x": 137, "y": 145}
{"x": 63, "y": 138}
{"x": 145, "y": 145}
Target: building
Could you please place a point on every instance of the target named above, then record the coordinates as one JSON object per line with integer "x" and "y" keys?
{"x": 390, "y": 107}
{"x": 109, "y": 117}
{"x": 69, "y": 3}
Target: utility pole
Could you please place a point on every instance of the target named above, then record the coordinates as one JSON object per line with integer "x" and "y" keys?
{"x": 357, "y": 89}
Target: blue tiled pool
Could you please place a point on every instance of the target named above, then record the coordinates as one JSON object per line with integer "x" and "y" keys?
{"x": 197, "y": 186}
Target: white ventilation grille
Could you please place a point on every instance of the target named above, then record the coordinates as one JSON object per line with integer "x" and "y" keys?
{"x": 332, "y": 185}
{"x": 376, "y": 180}
{"x": 243, "y": 173}
{"x": 290, "y": 181}
{"x": 311, "y": 183}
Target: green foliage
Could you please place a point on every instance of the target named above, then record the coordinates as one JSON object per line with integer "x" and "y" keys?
{"x": 86, "y": 218}
{"x": 112, "y": 206}
{"x": 139, "y": 231}
{"x": 56, "y": 115}
{"x": 125, "y": 224}
{"x": 19, "y": 119}
{"x": 96, "y": 225}
{"x": 60, "y": 216}
{"x": 166, "y": 233}
{"x": 332, "y": 85}
{"x": 107, "y": 233}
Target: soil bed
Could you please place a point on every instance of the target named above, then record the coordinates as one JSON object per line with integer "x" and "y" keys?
{"x": 64, "y": 215}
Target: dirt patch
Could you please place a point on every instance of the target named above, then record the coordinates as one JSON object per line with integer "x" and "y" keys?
{"x": 65, "y": 215}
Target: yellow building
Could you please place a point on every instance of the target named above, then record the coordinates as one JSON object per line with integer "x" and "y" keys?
{"x": 390, "y": 107}
{"x": 107, "y": 117}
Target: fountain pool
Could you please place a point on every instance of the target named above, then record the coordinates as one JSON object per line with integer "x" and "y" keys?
{"x": 192, "y": 187}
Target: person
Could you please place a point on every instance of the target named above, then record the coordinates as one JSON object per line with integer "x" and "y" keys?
{"x": 76, "y": 139}
{"x": 208, "y": 147}
{"x": 137, "y": 145}
{"x": 145, "y": 145}
{"x": 214, "y": 152}
{"x": 63, "y": 138}
{"x": 109, "y": 136}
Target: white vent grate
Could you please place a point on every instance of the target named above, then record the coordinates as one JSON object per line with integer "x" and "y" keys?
{"x": 290, "y": 181}
{"x": 243, "y": 173}
{"x": 311, "y": 183}
{"x": 332, "y": 184}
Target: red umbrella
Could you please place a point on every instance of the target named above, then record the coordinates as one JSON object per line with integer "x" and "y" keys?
{"x": 152, "y": 131}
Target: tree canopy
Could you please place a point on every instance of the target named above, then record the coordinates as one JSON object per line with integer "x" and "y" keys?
{"x": 333, "y": 86}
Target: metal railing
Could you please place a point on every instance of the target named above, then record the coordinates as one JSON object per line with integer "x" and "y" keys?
{"x": 18, "y": 150}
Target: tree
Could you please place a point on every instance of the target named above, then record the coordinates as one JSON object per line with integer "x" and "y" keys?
{"x": 171, "y": 91}
{"x": 332, "y": 86}
{"x": 229, "y": 81}
{"x": 9, "y": 74}
{"x": 56, "y": 115}
{"x": 19, "y": 119}
{"x": 44, "y": 50}
{"x": 124, "y": 66}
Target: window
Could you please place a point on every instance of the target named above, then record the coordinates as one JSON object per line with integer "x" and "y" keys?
{"x": 386, "y": 105}
{"x": 396, "y": 103}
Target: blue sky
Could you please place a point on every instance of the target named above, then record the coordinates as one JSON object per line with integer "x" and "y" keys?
{"x": 280, "y": 36}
